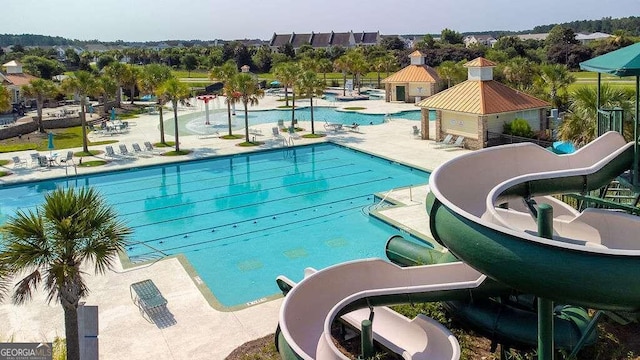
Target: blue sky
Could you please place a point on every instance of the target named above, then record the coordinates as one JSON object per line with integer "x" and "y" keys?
{"x": 151, "y": 20}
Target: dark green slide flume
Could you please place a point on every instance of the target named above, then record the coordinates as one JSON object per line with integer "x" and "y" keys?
{"x": 593, "y": 259}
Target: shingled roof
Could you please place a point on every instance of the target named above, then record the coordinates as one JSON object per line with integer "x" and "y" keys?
{"x": 482, "y": 98}
{"x": 413, "y": 73}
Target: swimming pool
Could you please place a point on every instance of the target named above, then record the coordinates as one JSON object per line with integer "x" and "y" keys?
{"x": 194, "y": 123}
{"x": 242, "y": 220}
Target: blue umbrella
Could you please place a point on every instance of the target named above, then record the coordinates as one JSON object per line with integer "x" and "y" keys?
{"x": 113, "y": 114}
{"x": 275, "y": 83}
{"x": 50, "y": 146}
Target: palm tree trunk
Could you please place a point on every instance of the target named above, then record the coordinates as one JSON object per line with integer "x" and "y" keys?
{"x": 344, "y": 83}
{"x": 133, "y": 90}
{"x": 286, "y": 96}
{"x": 71, "y": 332}
{"x": 246, "y": 121}
{"x": 83, "y": 122}
{"x": 378, "y": 79}
{"x": 229, "y": 114}
{"x": 311, "y": 100}
{"x": 293, "y": 109}
{"x": 39, "y": 107}
{"x": 161, "y": 125}
{"x": 119, "y": 96}
{"x": 175, "y": 123}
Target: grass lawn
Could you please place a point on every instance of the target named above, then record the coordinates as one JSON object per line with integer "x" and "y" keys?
{"x": 184, "y": 74}
{"x": 62, "y": 139}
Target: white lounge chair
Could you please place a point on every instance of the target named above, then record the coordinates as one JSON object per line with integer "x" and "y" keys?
{"x": 276, "y": 132}
{"x": 18, "y": 162}
{"x": 446, "y": 141}
{"x": 35, "y": 159}
{"x": 124, "y": 152}
{"x": 456, "y": 144}
{"x": 151, "y": 149}
{"x": 416, "y": 131}
{"x": 108, "y": 150}
{"x": 67, "y": 159}
{"x": 137, "y": 150}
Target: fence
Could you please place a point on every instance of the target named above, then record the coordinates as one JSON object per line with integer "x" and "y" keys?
{"x": 496, "y": 139}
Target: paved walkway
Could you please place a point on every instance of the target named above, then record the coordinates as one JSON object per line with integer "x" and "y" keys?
{"x": 192, "y": 329}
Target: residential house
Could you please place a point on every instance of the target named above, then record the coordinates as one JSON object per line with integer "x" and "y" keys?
{"x": 325, "y": 40}
{"x": 541, "y": 36}
{"x": 486, "y": 40}
{"x": 412, "y": 83}
{"x": 480, "y": 104}
{"x": 587, "y": 38}
{"x": 12, "y": 78}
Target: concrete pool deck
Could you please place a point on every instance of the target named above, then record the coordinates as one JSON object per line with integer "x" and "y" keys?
{"x": 192, "y": 329}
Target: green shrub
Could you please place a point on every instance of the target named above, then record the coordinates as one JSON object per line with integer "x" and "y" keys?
{"x": 518, "y": 127}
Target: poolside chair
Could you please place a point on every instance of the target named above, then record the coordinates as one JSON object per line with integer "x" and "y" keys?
{"x": 124, "y": 152}
{"x": 138, "y": 151}
{"x": 353, "y": 127}
{"x": 67, "y": 159}
{"x": 292, "y": 133}
{"x": 18, "y": 162}
{"x": 281, "y": 124}
{"x": 151, "y": 149}
{"x": 416, "y": 131}
{"x": 147, "y": 297}
{"x": 108, "y": 150}
{"x": 276, "y": 132}
{"x": 34, "y": 159}
{"x": 456, "y": 144}
{"x": 446, "y": 141}
{"x": 43, "y": 162}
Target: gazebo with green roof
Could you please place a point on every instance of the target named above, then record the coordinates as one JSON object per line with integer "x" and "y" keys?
{"x": 622, "y": 62}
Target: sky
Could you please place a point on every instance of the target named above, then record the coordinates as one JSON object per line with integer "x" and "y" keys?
{"x": 156, "y": 20}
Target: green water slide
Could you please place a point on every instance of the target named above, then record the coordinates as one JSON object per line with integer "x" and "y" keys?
{"x": 593, "y": 259}
{"x": 510, "y": 319}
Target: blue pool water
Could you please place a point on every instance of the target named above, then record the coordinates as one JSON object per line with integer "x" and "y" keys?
{"x": 243, "y": 220}
{"x": 193, "y": 123}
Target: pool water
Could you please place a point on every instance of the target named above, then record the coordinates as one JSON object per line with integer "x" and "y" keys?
{"x": 243, "y": 220}
{"x": 194, "y": 123}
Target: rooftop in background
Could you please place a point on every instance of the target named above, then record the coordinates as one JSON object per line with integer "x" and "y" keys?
{"x": 326, "y": 40}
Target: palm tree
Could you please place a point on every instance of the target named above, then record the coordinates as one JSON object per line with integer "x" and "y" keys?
{"x": 520, "y": 73}
{"x": 286, "y": 73}
{"x": 151, "y": 78}
{"x": 173, "y": 90}
{"x": 324, "y": 66}
{"x": 358, "y": 65}
{"x": 451, "y": 71}
{"x": 342, "y": 64}
{"x": 310, "y": 85}
{"x": 118, "y": 72}
{"x": 83, "y": 84}
{"x": 249, "y": 94}
{"x": 225, "y": 74}
{"x": 557, "y": 78}
{"x": 5, "y": 99}
{"x": 379, "y": 64}
{"x": 130, "y": 79}
{"x": 52, "y": 245}
{"x": 579, "y": 125}
{"x": 40, "y": 89}
{"x": 107, "y": 88}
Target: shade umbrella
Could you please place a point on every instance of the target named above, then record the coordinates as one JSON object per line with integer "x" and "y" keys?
{"x": 50, "y": 146}
{"x": 275, "y": 83}
{"x": 621, "y": 62}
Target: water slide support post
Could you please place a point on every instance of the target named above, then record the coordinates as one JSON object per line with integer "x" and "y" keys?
{"x": 366, "y": 346}
{"x": 545, "y": 306}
